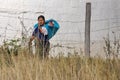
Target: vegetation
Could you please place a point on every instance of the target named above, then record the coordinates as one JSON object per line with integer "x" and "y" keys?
{"x": 28, "y": 67}
{"x": 25, "y": 66}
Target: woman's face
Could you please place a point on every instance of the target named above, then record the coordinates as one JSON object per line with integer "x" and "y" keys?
{"x": 41, "y": 21}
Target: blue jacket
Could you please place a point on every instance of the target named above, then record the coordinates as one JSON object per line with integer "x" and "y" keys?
{"x": 51, "y": 29}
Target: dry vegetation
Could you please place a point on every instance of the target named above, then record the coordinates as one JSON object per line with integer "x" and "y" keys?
{"x": 28, "y": 67}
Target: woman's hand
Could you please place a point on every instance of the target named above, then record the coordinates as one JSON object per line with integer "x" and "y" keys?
{"x": 51, "y": 23}
{"x": 43, "y": 30}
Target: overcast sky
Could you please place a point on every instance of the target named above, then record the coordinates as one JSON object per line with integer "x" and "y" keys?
{"x": 69, "y": 13}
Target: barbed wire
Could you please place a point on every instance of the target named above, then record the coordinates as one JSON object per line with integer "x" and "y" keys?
{"x": 65, "y": 21}
{"x": 17, "y": 12}
{"x": 69, "y": 33}
{"x": 93, "y": 20}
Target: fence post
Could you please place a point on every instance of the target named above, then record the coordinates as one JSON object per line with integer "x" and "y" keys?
{"x": 87, "y": 29}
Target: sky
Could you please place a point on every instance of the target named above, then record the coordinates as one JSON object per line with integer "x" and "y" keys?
{"x": 69, "y": 13}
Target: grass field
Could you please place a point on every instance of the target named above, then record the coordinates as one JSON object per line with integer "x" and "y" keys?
{"x": 28, "y": 67}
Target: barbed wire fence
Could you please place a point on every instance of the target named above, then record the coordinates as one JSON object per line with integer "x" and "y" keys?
{"x": 66, "y": 41}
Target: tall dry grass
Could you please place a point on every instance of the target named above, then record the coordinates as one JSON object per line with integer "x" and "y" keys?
{"x": 28, "y": 67}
